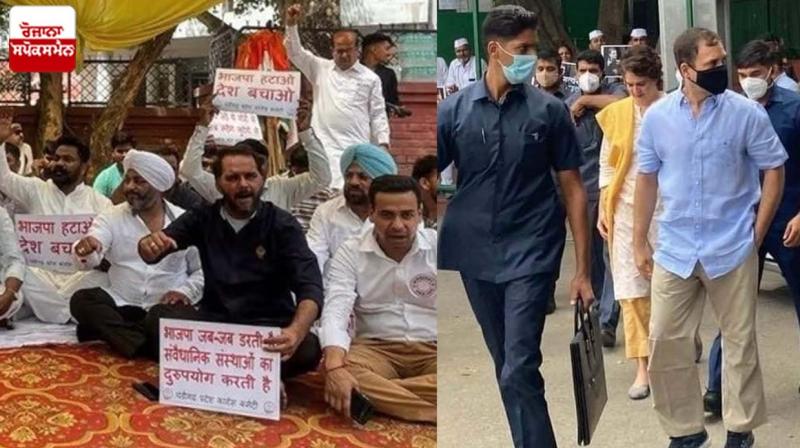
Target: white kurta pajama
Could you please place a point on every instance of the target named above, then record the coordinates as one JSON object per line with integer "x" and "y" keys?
{"x": 47, "y": 292}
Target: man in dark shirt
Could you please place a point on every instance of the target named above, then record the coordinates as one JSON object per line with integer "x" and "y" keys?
{"x": 375, "y": 54}
{"x": 503, "y": 228}
{"x": 254, "y": 256}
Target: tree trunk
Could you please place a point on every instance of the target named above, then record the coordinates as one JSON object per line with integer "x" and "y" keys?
{"x": 124, "y": 91}
{"x": 551, "y": 27}
{"x": 611, "y": 20}
{"x": 50, "y": 109}
{"x": 212, "y": 22}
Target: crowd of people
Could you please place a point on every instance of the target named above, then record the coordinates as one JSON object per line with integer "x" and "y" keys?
{"x": 672, "y": 198}
{"x": 205, "y": 235}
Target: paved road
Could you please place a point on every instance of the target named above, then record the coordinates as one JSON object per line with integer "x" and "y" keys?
{"x": 470, "y": 414}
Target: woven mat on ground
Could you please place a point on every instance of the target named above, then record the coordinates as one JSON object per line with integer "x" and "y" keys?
{"x": 81, "y": 396}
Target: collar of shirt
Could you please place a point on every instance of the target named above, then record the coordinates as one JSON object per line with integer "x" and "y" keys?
{"x": 480, "y": 91}
{"x": 237, "y": 224}
{"x": 357, "y": 68}
{"x": 776, "y": 95}
{"x": 710, "y": 102}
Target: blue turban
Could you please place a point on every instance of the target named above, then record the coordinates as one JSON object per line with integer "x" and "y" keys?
{"x": 374, "y": 160}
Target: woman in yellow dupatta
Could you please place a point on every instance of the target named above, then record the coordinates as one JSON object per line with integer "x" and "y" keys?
{"x": 620, "y": 122}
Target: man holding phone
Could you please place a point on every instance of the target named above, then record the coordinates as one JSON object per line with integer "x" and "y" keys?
{"x": 387, "y": 279}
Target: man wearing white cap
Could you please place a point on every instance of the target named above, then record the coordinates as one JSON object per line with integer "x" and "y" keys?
{"x": 461, "y": 72}
{"x": 596, "y": 40}
{"x": 638, "y": 37}
{"x": 115, "y": 313}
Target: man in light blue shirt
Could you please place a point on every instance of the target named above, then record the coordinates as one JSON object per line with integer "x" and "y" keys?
{"x": 701, "y": 150}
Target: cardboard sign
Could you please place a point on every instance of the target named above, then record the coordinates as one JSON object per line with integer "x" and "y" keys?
{"x": 219, "y": 367}
{"x": 268, "y": 93}
{"x": 46, "y": 241}
{"x": 229, "y": 128}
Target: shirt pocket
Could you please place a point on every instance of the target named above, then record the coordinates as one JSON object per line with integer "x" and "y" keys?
{"x": 474, "y": 153}
{"x": 534, "y": 154}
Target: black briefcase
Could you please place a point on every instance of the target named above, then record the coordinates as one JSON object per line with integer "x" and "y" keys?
{"x": 588, "y": 372}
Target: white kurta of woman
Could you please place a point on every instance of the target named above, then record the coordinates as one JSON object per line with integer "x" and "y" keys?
{"x": 46, "y": 292}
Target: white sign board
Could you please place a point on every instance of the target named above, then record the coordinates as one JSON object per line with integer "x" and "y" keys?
{"x": 268, "y": 93}
{"x": 229, "y": 128}
{"x": 46, "y": 241}
{"x": 219, "y": 367}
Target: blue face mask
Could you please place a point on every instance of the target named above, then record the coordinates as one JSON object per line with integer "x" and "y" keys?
{"x": 521, "y": 69}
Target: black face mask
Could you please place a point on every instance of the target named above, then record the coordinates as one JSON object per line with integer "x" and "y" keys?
{"x": 713, "y": 80}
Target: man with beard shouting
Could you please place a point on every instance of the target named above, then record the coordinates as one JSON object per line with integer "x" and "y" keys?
{"x": 254, "y": 257}
{"x": 116, "y": 313}
{"x": 344, "y": 216}
{"x": 64, "y": 193}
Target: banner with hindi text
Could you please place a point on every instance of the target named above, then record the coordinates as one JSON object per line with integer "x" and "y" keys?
{"x": 267, "y": 93}
{"x": 219, "y": 367}
{"x": 46, "y": 241}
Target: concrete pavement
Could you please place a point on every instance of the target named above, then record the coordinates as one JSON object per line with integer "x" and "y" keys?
{"x": 470, "y": 413}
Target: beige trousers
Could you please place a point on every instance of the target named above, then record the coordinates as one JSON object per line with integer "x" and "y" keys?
{"x": 676, "y": 311}
{"x": 398, "y": 377}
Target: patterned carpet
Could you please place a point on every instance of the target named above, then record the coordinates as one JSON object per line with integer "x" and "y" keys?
{"x": 81, "y": 396}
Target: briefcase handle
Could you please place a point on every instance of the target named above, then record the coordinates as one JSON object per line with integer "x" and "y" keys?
{"x": 581, "y": 320}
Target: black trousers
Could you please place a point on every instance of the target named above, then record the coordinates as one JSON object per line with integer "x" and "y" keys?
{"x": 133, "y": 332}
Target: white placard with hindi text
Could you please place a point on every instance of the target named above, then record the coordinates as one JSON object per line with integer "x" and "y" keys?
{"x": 229, "y": 128}
{"x": 219, "y": 367}
{"x": 46, "y": 241}
{"x": 267, "y": 93}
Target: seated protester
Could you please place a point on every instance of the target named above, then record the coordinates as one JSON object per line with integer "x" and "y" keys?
{"x": 254, "y": 259}
{"x": 111, "y": 177}
{"x": 344, "y": 216}
{"x": 180, "y": 194}
{"x": 13, "y": 159}
{"x": 387, "y": 278}
{"x": 281, "y": 191}
{"x": 12, "y": 269}
{"x": 298, "y": 164}
{"x": 64, "y": 193}
{"x": 115, "y": 313}
{"x": 427, "y": 176}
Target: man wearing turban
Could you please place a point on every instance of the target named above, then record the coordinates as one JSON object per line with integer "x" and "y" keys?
{"x": 115, "y": 313}
{"x": 344, "y": 216}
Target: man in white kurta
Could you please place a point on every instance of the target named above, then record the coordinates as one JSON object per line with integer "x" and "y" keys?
{"x": 116, "y": 313}
{"x": 64, "y": 193}
{"x": 284, "y": 192}
{"x": 349, "y": 107}
{"x": 387, "y": 278}
{"x": 462, "y": 70}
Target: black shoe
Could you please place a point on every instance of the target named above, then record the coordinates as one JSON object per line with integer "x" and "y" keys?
{"x": 609, "y": 337}
{"x": 699, "y": 440}
{"x": 740, "y": 440}
{"x": 712, "y": 402}
{"x": 551, "y": 306}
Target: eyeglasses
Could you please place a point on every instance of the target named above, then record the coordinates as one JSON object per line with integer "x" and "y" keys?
{"x": 18, "y": 131}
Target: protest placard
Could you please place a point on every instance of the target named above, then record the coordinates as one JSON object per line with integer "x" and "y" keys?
{"x": 268, "y": 93}
{"x": 229, "y": 128}
{"x": 219, "y": 367}
{"x": 46, "y": 241}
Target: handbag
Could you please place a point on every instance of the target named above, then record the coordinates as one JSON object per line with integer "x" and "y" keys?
{"x": 588, "y": 372}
